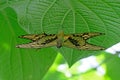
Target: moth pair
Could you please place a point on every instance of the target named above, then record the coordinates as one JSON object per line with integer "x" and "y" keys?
{"x": 77, "y": 41}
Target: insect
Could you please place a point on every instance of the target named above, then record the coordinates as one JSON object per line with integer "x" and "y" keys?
{"x": 76, "y": 41}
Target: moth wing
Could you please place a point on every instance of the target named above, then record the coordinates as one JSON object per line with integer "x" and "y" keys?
{"x": 33, "y": 37}
{"x": 88, "y": 35}
{"x": 47, "y": 41}
{"x": 87, "y": 46}
{"x": 81, "y": 45}
{"x": 36, "y": 45}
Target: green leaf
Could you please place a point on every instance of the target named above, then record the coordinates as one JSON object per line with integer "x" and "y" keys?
{"x": 112, "y": 66}
{"x": 20, "y": 64}
{"x": 72, "y": 16}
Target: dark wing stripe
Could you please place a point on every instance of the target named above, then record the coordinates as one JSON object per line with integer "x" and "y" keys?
{"x": 73, "y": 41}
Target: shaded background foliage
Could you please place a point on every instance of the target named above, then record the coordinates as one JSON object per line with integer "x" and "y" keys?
{"x": 50, "y": 16}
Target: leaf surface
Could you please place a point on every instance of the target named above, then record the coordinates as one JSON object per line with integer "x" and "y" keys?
{"x": 51, "y": 16}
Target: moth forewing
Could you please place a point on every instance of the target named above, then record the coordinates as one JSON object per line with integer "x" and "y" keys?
{"x": 33, "y": 37}
{"x": 88, "y": 35}
{"x": 46, "y": 41}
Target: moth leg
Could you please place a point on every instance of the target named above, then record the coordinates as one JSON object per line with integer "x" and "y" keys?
{"x": 88, "y": 46}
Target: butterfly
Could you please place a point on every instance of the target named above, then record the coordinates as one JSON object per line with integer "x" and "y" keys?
{"x": 76, "y": 41}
